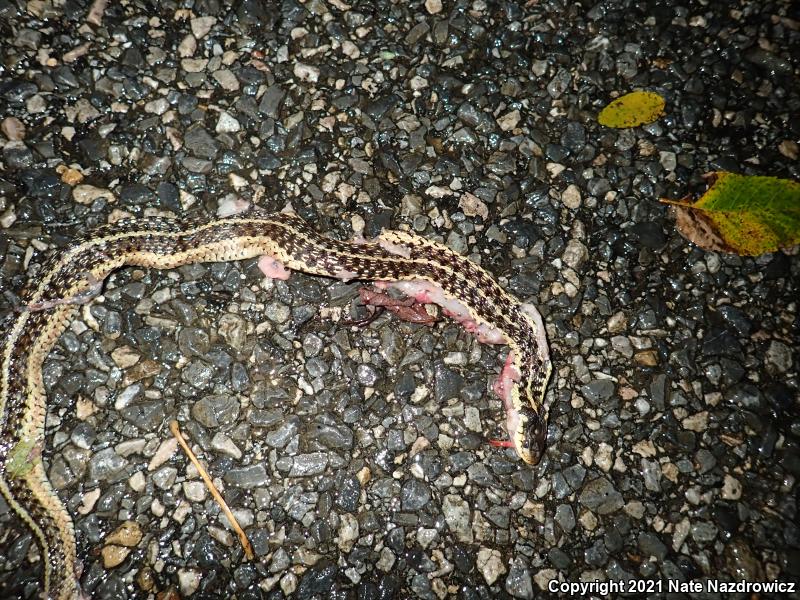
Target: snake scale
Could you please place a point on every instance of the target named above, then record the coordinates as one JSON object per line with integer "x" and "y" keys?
{"x": 76, "y": 274}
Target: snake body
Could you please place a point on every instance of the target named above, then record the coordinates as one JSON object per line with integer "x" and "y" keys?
{"x": 76, "y": 274}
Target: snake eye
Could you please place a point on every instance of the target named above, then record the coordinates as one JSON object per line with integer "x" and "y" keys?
{"x": 535, "y": 435}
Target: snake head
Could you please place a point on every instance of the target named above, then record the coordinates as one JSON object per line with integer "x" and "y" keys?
{"x": 531, "y": 436}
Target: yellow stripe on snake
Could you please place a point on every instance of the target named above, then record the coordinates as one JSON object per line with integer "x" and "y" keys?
{"x": 418, "y": 266}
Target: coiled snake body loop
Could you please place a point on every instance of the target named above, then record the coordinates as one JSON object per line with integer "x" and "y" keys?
{"x": 74, "y": 276}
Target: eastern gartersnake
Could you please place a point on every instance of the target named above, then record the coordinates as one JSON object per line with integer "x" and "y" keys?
{"x": 74, "y": 276}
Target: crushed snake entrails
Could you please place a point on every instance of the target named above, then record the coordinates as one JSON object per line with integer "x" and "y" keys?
{"x": 416, "y": 266}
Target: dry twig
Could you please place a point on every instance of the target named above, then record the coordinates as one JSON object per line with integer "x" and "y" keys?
{"x": 248, "y": 549}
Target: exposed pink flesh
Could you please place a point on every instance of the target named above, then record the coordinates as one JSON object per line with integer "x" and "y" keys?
{"x": 502, "y": 443}
{"x": 407, "y": 309}
{"x": 424, "y": 292}
{"x": 273, "y": 268}
{"x": 429, "y": 293}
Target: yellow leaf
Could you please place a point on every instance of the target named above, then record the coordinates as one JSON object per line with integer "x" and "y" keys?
{"x": 632, "y": 110}
{"x": 742, "y": 214}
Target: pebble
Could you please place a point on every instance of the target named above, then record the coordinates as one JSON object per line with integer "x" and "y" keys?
{"x": 202, "y": 25}
{"x": 490, "y": 564}
{"x": 575, "y": 254}
{"x": 600, "y": 496}
{"x": 105, "y": 464}
{"x": 128, "y": 534}
{"x": 195, "y": 491}
{"x": 306, "y": 465}
{"x": 434, "y": 7}
{"x": 571, "y": 197}
{"x": 519, "y": 583}
{"x": 227, "y": 124}
{"x": 414, "y": 495}
{"x": 697, "y": 422}
{"x": 457, "y": 514}
{"x": 13, "y": 129}
{"x": 509, "y": 120}
{"x": 222, "y": 443}
{"x": 731, "y": 488}
{"x": 249, "y": 477}
{"x": 348, "y": 532}
{"x": 306, "y": 72}
{"x": 778, "y": 357}
{"x": 188, "y": 581}
{"x": 113, "y": 556}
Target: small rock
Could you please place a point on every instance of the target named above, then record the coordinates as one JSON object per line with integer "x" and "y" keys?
{"x": 306, "y": 72}
{"x": 222, "y": 442}
{"x": 571, "y": 197}
{"x": 348, "y": 532}
{"x": 575, "y": 254}
{"x": 778, "y": 357}
{"x": 202, "y": 25}
{"x": 433, "y": 7}
{"x": 307, "y": 465}
{"x": 165, "y": 451}
{"x": 457, "y": 514}
{"x": 194, "y": 65}
{"x": 195, "y": 491}
{"x": 13, "y": 129}
{"x": 87, "y": 194}
{"x": 544, "y": 577}
{"x": 490, "y": 564}
{"x": 519, "y": 583}
{"x": 617, "y": 323}
{"x": 731, "y": 488}
{"x": 227, "y": 80}
{"x": 187, "y": 47}
{"x": 509, "y": 120}
{"x": 601, "y": 496}
{"x": 129, "y": 534}
{"x": 125, "y": 356}
{"x": 646, "y": 358}
{"x": 227, "y": 124}
{"x": 114, "y": 556}
{"x": 697, "y": 422}
{"x": 188, "y": 581}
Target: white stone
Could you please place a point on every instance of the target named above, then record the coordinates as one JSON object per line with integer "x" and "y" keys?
{"x": 433, "y": 6}
{"x": 571, "y": 197}
{"x": 697, "y": 422}
{"x": 195, "y": 491}
{"x": 490, "y": 564}
{"x": 165, "y": 451}
{"x": 202, "y": 25}
{"x": 731, "y": 488}
{"x": 187, "y": 47}
{"x": 226, "y": 79}
{"x": 86, "y": 194}
{"x": 509, "y": 120}
{"x": 350, "y": 49}
{"x": 189, "y": 581}
{"x": 575, "y": 254}
{"x": 348, "y": 532}
{"x": 457, "y": 514}
{"x": 227, "y": 124}
{"x": 306, "y": 72}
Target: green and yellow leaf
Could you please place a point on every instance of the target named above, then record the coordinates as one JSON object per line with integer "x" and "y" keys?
{"x": 742, "y": 214}
{"x": 632, "y": 110}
